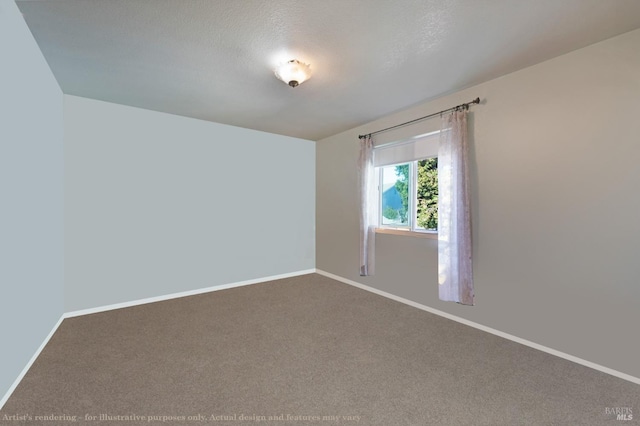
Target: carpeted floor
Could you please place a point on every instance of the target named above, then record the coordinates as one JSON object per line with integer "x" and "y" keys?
{"x": 303, "y": 350}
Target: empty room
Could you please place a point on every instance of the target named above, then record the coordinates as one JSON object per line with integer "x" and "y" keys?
{"x": 372, "y": 212}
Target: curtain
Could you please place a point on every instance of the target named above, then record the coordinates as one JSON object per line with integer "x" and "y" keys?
{"x": 368, "y": 207}
{"x": 455, "y": 274}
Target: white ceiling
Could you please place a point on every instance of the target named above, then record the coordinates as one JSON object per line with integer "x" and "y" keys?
{"x": 214, "y": 59}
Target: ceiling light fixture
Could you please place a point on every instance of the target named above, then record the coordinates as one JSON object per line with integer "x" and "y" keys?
{"x": 293, "y": 72}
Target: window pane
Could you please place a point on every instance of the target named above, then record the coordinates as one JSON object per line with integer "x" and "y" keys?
{"x": 395, "y": 195}
{"x": 427, "y": 195}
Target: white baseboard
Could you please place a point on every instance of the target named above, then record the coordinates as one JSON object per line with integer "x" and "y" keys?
{"x": 15, "y": 384}
{"x": 140, "y": 302}
{"x": 184, "y": 294}
{"x": 516, "y": 339}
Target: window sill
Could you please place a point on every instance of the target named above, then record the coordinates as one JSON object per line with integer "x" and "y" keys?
{"x": 407, "y": 233}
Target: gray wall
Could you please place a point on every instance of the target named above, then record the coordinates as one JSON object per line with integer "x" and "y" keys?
{"x": 157, "y": 204}
{"x": 31, "y": 194}
{"x": 556, "y": 227}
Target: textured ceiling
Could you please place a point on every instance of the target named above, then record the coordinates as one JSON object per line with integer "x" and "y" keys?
{"x": 213, "y": 59}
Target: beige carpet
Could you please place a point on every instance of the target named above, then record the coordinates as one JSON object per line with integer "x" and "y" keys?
{"x": 304, "y": 350}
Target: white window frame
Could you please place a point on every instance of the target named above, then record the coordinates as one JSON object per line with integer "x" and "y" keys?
{"x": 410, "y": 229}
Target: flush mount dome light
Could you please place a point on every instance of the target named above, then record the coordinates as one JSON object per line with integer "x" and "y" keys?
{"x": 293, "y": 72}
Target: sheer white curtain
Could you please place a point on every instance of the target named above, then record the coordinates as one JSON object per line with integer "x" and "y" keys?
{"x": 368, "y": 207}
{"x": 455, "y": 274}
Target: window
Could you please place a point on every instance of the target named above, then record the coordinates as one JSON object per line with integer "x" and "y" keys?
{"x": 408, "y": 190}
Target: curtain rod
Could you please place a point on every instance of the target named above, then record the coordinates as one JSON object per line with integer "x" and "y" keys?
{"x": 464, "y": 105}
